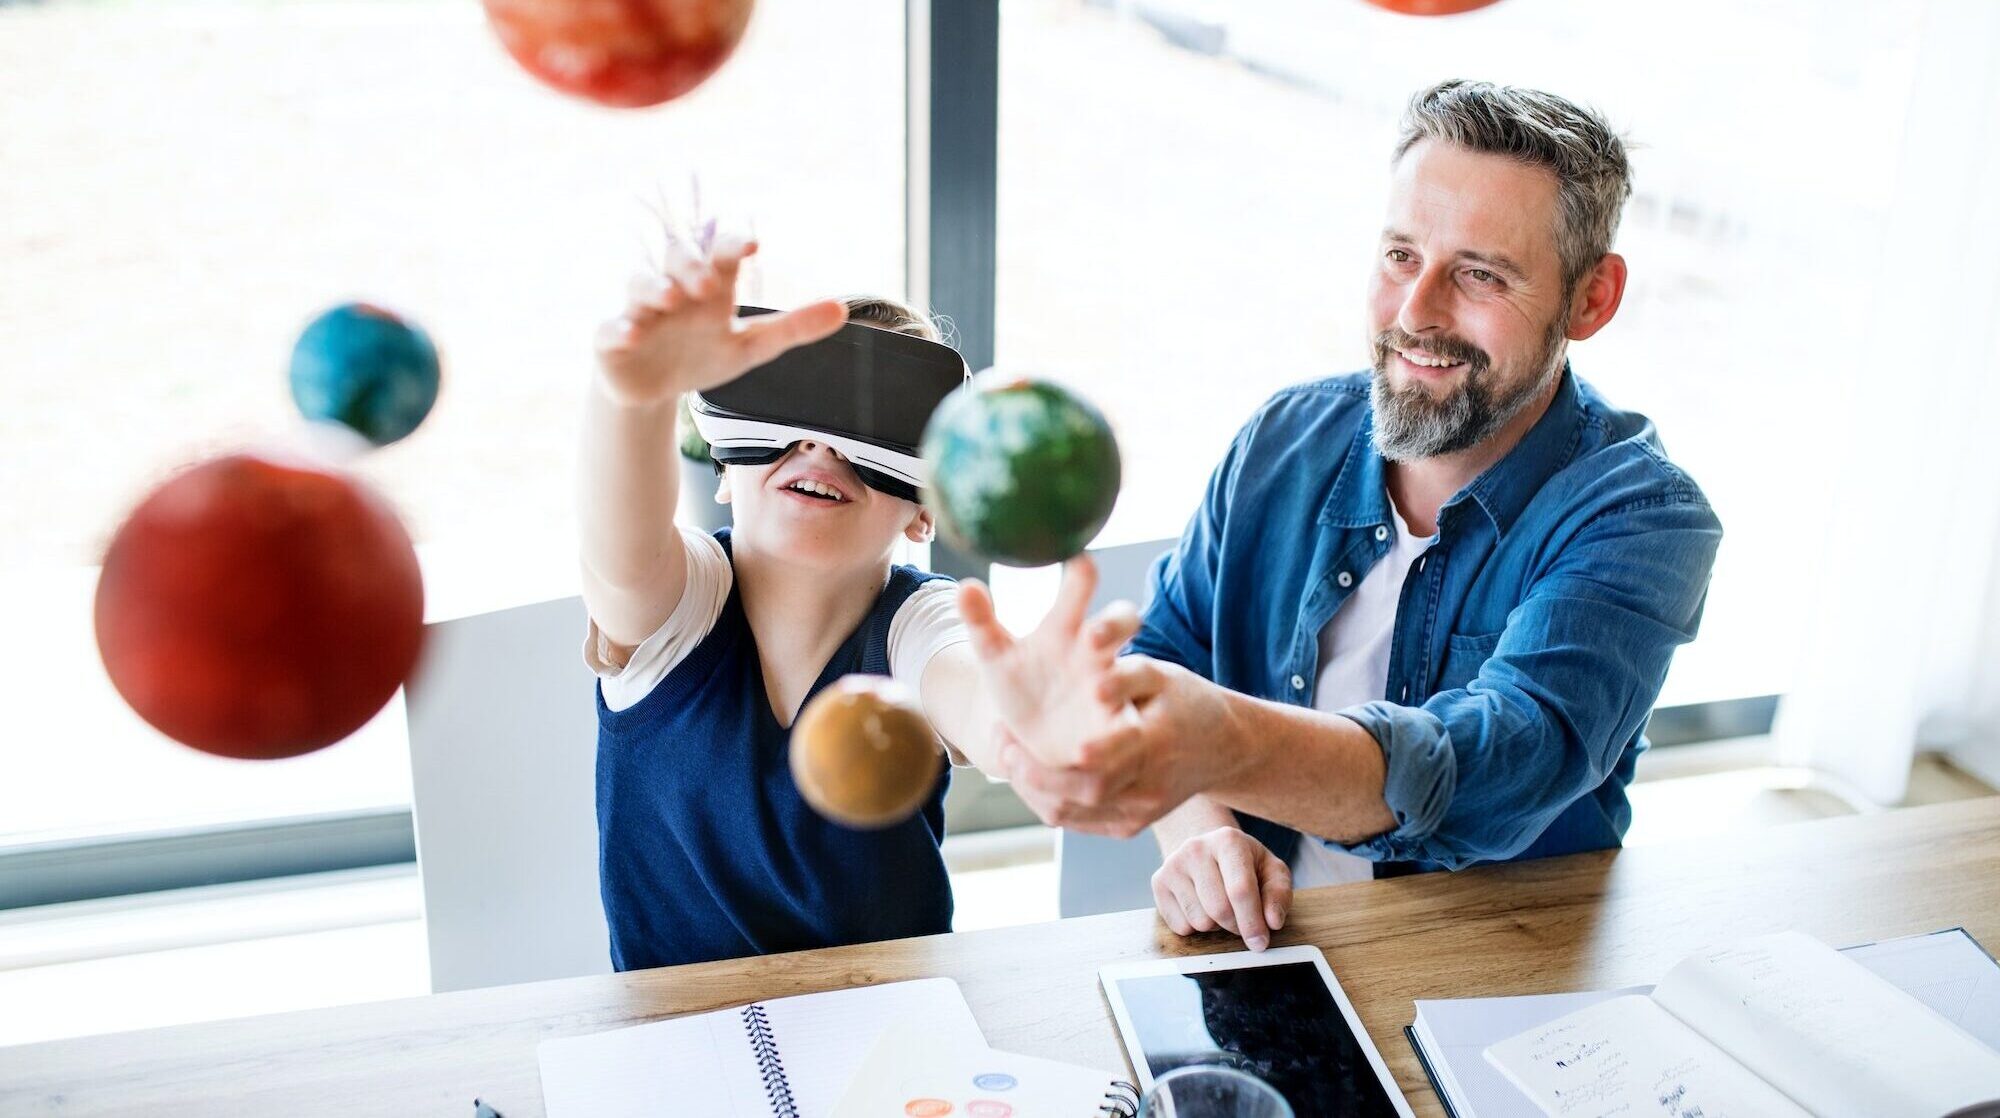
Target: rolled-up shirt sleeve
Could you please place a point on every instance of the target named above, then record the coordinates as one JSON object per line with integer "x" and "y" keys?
{"x": 1478, "y": 772}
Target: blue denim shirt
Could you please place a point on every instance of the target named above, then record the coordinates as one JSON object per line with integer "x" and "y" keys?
{"x": 1531, "y": 639}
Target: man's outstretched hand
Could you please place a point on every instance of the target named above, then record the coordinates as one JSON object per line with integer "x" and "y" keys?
{"x": 1171, "y": 740}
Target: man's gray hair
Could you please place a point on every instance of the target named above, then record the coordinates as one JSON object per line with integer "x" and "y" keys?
{"x": 1541, "y": 130}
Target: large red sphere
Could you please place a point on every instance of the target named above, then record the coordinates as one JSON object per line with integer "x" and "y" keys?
{"x": 623, "y": 53}
{"x": 255, "y": 609}
{"x": 1432, "y": 7}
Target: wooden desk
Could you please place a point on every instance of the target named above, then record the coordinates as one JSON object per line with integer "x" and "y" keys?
{"x": 1592, "y": 920}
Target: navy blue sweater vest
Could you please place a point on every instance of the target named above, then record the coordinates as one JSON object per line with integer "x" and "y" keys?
{"x": 705, "y": 848}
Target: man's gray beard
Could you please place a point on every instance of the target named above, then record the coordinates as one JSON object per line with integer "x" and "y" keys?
{"x": 1410, "y": 425}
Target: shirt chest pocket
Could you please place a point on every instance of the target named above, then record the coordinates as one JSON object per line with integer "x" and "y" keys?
{"x": 1463, "y": 655}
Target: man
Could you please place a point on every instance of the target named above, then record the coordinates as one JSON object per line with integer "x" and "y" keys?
{"x": 1422, "y": 614}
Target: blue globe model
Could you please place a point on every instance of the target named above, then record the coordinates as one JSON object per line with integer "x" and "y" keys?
{"x": 366, "y": 368}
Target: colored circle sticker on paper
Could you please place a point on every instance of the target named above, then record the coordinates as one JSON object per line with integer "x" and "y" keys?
{"x": 988, "y": 1108}
{"x": 995, "y": 1081}
{"x": 927, "y": 1108}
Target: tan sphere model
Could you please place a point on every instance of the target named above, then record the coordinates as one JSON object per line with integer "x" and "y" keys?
{"x": 863, "y": 753}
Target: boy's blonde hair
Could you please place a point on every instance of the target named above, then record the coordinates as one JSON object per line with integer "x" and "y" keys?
{"x": 892, "y": 314}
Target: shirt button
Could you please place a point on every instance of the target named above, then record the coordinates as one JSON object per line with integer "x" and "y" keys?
{"x": 1421, "y": 560}
{"x": 1345, "y": 580}
{"x": 1298, "y": 683}
{"x": 1381, "y": 531}
{"x": 1406, "y": 693}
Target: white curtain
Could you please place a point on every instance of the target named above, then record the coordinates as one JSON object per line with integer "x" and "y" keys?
{"x": 1904, "y": 651}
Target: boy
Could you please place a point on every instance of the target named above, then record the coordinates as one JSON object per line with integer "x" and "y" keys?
{"x": 708, "y": 646}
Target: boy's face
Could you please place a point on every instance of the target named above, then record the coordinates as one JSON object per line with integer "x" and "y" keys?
{"x": 812, "y": 507}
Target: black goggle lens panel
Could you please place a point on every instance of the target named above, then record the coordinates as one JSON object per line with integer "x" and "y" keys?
{"x": 765, "y": 455}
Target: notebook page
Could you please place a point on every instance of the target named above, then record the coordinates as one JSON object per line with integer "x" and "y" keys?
{"x": 1629, "y": 1056}
{"x": 701, "y": 1063}
{"x": 1947, "y": 971}
{"x": 824, "y": 1038}
{"x": 1458, "y": 1030}
{"x": 1827, "y": 1031}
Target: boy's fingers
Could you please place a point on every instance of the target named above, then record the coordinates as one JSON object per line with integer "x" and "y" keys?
{"x": 765, "y": 336}
{"x": 1110, "y": 751}
{"x": 1240, "y": 882}
{"x": 614, "y": 334}
{"x": 646, "y": 290}
{"x": 696, "y": 279}
{"x": 726, "y": 266}
{"x": 990, "y": 639}
{"x": 649, "y": 297}
{"x": 1086, "y": 792}
{"x": 730, "y": 249}
{"x": 1079, "y": 582}
{"x": 678, "y": 254}
{"x": 1133, "y": 679}
{"x": 1115, "y": 624}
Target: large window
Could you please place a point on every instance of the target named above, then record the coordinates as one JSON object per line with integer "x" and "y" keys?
{"x": 184, "y": 184}
{"x": 1190, "y": 194}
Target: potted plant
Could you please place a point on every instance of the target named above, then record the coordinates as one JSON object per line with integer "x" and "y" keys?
{"x": 699, "y": 478}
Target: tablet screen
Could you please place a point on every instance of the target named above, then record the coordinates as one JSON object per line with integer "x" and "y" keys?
{"x": 1277, "y": 1022}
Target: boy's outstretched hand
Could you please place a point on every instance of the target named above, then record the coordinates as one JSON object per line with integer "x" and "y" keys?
{"x": 680, "y": 333}
{"x": 1044, "y": 686}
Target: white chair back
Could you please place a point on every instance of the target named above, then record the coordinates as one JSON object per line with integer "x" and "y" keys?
{"x": 503, "y": 756}
{"x": 1096, "y": 874}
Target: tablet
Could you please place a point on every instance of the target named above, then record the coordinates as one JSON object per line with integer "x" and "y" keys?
{"x": 1280, "y": 1015}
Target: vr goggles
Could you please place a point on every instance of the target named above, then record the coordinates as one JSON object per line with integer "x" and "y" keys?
{"x": 864, "y": 392}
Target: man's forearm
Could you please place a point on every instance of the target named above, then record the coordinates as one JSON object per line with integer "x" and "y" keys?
{"x": 1315, "y": 772}
{"x": 1197, "y": 815}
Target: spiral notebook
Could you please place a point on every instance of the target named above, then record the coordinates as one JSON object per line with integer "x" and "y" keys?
{"x": 913, "y": 1071}
{"x": 784, "y": 1058}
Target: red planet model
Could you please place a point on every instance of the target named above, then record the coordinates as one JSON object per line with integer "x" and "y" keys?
{"x": 258, "y": 609}
{"x": 623, "y": 53}
{"x": 1431, "y": 7}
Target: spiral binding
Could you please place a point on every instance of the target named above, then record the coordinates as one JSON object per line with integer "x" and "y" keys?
{"x": 1121, "y": 1101}
{"x": 770, "y": 1065}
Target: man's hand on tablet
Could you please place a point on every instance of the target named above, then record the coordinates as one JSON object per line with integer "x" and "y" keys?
{"x": 1224, "y": 878}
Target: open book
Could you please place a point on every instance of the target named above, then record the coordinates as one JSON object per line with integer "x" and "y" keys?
{"x": 1779, "y": 1025}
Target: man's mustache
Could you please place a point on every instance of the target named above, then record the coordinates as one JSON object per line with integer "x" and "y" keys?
{"x": 1442, "y": 345}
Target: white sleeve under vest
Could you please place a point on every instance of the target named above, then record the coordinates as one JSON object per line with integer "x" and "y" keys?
{"x": 925, "y": 625}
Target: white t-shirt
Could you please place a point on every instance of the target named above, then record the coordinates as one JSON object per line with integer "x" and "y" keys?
{"x": 925, "y": 625}
{"x": 1354, "y": 669}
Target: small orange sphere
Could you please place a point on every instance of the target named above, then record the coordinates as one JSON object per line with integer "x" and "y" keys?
{"x": 863, "y": 754}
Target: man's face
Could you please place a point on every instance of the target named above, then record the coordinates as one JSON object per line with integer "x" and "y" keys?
{"x": 1466, "y": 307}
